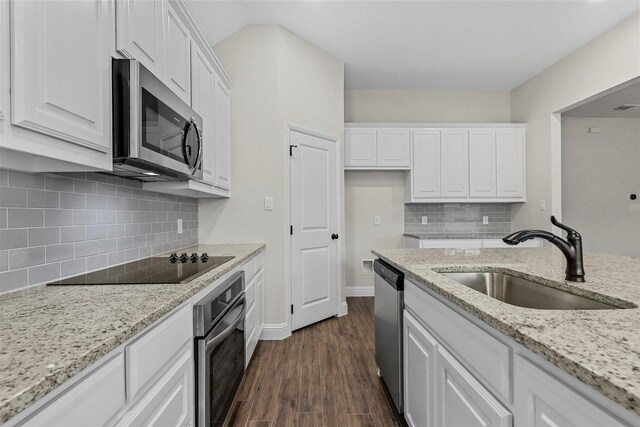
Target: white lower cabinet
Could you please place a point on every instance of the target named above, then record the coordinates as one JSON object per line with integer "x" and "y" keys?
{"x": 170, "y": 400}
{"x": 463, "y": 400}
{"x": 544, "y": 401}
{"x": 420, "y": 353}
{"x": 94, "y": 401}
{"x": 458, "y": 371}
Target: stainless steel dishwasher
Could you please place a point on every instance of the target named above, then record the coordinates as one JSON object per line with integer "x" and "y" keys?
{"x": 389, "y": 302}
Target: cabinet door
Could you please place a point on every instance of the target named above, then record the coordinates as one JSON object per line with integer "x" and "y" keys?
{"x": 426, "y": 172}
{"x": 93, "y": 401}
{"x": 5, "y": 58}
{"x": 170, "y": 400}
{"x": 463, "y": 401}
{"x": 222, "y": 135}
{"x": 510, "y": 147}
{"x": 360, "y": 148}
{"x": 139, "y": 31}
{"x": 543, "y": 401}
{"x": 482, "y": 163}
{"x": 176, "y": 57}
{"x": 393, "y": 148}
{"x": 203, "y": 80}
{"x": 455, "y": 163}
{"x": 419, "y": 366}
{"x": 61, "y": 70}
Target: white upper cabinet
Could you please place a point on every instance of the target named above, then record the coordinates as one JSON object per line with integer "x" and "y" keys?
{"x": 222, "y": 135}
{"x": 426, "y": 164}
{"x": 377, "y": 148}
{"x": 394, "y": 148}
{"x": 482, "y": 163}
{"x": 203, "y": 80}
{"x": 176, "y": 56}
{"x": 455, "y": 163}
{"x": 360, "y": 148}
{"x": 5, "y": 58}
{"x": 139, "y": 31}
{"x": 511, "y": 163}
{"x": 61, "y": 71}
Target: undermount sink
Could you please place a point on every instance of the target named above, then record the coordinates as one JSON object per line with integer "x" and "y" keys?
{"x": 525, "y": 293}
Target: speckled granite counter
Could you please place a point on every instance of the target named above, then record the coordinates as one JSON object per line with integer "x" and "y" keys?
{"x": 49, "y": 334}
{"x": 455, "y": 236}
{"x": 599, "y": 347}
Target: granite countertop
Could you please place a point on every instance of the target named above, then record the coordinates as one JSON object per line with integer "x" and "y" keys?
{"x": 454, "y": 236}
{"x": 599, "y": 347}
{"x": 49, "y": 334}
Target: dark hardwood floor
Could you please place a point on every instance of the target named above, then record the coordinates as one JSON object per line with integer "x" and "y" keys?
{"x": 323, "y": 375}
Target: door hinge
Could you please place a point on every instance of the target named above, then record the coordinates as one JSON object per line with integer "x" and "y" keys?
{"x": 291, "y": 147}
{"x": 291, "y": 229}
{"x": 291, "y": 308}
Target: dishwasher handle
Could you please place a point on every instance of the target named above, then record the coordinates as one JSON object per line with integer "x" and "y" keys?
{"x": 390, "y": 275}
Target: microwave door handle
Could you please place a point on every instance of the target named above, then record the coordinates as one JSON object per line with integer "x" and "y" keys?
{"x": 213, "y": 342}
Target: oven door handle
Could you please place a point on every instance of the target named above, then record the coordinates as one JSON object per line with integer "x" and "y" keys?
{"x": 213, "y": 342}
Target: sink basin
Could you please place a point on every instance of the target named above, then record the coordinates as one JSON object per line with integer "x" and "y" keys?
{"x": 525, "y": 293}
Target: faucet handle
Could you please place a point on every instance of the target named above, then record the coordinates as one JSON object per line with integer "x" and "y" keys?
{"x": 570, "y": 231}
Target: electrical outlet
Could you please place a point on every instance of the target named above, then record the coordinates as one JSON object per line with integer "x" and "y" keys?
{"x": 542, "y": 205}
{"x": 376, "y": 220}
{"x": 425, "y": 220}
{"x": 485, "y": 220}
{"x": 179, "y": 226}
{"x": 268, "y": 203}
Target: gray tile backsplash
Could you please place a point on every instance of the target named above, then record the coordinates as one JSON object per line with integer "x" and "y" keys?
{"x": 54, "y": 226}
{"x": 457, "y": 218}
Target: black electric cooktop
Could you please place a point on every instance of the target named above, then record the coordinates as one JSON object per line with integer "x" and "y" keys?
{"x": 152, "y": 270}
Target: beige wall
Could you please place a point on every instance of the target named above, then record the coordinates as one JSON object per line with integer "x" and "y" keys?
{"x": 367, "y": 193}
{"x": 425, "y": 106}
{"x": 599, "y": 171}
{"x": 278, "y": 78}
{"x": 607, "y": 61}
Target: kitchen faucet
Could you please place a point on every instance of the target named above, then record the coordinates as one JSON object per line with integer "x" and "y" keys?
{"x": 571, "y": 248}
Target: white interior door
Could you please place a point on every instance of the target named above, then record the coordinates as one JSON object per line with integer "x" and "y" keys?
{"x": 314, "y": 220}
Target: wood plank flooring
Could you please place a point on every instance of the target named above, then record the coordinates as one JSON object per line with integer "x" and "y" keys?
{"x": 323, "y": 375}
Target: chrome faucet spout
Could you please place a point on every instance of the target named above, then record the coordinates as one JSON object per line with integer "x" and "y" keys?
{"x": 570, "y": 248}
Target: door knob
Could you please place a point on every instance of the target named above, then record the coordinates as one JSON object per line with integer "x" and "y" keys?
{"x": 334, "y": 236}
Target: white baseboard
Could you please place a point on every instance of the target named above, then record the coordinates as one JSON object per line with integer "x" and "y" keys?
{"x": 275, "y": 331}
{"x": 343, "y": 310}
{"x": 359, "y": 291}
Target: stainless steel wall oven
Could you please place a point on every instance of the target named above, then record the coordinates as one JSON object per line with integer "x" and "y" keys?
{"x": 220, "y": 350}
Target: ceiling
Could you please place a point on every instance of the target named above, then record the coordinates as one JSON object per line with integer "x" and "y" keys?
{"x": 604, "y": 106}
{"x": 449, "y": 45}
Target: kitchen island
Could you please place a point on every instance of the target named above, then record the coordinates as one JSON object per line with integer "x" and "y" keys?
{"x": 600, "y": 348}
{"x": 50, "y": 334}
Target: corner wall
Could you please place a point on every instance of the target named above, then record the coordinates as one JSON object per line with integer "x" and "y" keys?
{"x": 608, "y": 61}
{"x": 278, "y": 79}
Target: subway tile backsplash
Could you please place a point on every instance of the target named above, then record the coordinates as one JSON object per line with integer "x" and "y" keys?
{"x": 59, "y": 225}
{"x": 457, "y": 219}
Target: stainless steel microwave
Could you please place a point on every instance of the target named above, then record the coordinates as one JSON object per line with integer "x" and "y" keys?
{"x": 156, "y": 135}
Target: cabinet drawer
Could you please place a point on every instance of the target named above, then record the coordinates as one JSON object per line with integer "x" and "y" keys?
{"x": 487, "y": 357}
{"x": 170, "y": 401}
{"x": 249, "y": 323}
{"x": 250, "y": 293}
{"x": 259, "y": 261}
{"x": 148, "y": 355}
{"x": 249, "y": 271}
{"x": 93, "y": 401}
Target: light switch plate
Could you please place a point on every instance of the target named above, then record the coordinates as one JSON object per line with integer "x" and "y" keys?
{"x": 268, "y": 203}
{"x": 542, "y": 205}
{"x": 425, "y": 220}
{"x": 179, "y": 226}
{"x": 376, "y": 220}
{"x": 485, "y": 220}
